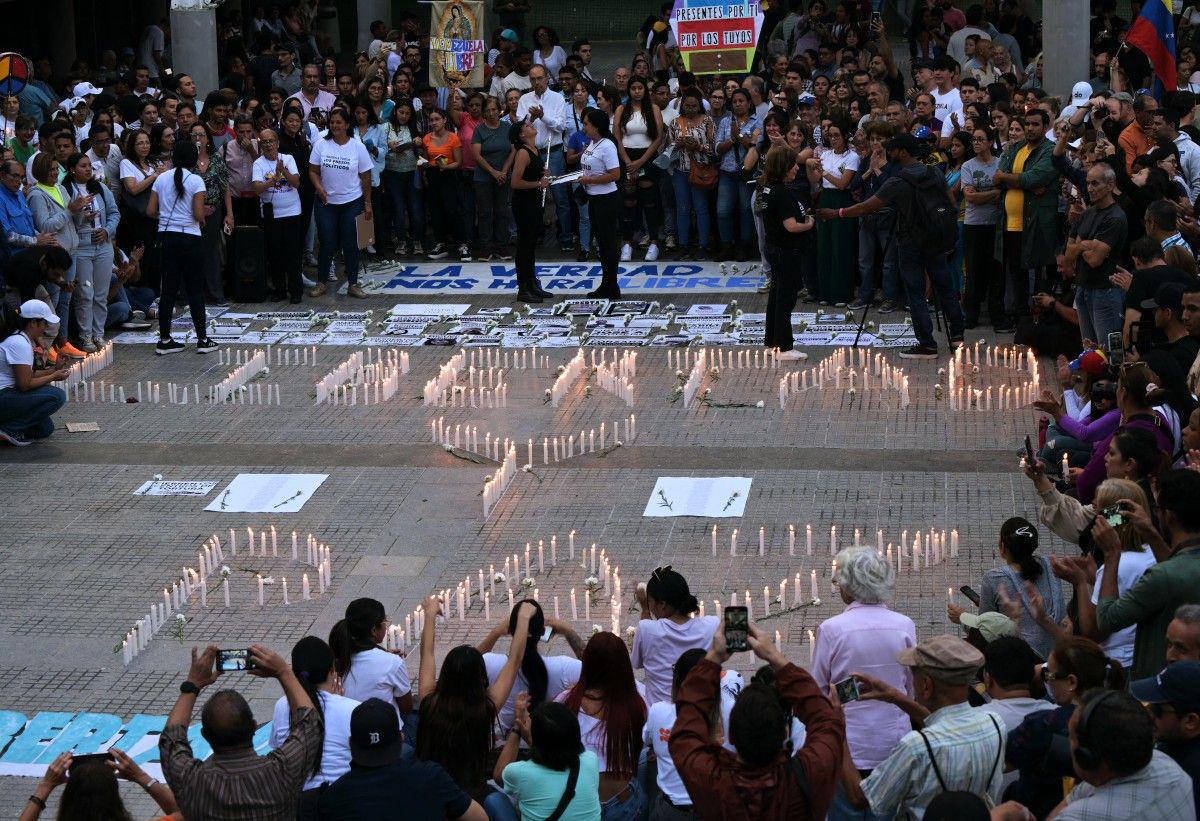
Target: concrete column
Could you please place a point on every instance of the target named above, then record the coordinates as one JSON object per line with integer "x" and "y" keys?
{"x": 58, "y": 24}
{"x": 369, "y": 10}
{"x": 194, "y": 45}
{"x": 1067, "y": 57}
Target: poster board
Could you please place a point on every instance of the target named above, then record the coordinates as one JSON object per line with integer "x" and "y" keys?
{"x": 717, "y": 37}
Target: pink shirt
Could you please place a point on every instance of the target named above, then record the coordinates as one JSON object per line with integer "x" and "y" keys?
{"x": 466, "y": 130}
{"x": 865, "y": 638}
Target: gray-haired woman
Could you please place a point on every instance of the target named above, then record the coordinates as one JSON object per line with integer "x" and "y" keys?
{"x": 863, "y": 642}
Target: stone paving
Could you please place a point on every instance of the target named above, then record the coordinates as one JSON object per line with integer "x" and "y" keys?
{"x": 82, "y": 557}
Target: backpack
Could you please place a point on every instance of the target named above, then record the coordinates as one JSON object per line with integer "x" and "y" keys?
{"x": 933, "y": 223}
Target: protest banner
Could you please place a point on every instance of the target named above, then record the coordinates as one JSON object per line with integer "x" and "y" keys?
{"x": 456, "y": 44}
{"x": 717, "y": 37}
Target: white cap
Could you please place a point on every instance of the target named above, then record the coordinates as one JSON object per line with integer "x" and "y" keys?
{"x": 36, "y": 309}
{"x": 1081, "y": 92}
{"x": 83, "y": 88}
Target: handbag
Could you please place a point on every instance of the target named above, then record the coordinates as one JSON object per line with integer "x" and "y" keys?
{"x": 136, "y": 202}
{"x": 702, "y": 175}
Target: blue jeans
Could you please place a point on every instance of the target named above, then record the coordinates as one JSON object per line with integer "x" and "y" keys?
{"x": 562, "y": 201}
{"x": 915, "y": 263}
{"x": 336, "y": 228}
{"x": 499, "y": 807}
{"x": 27, "y": 413}
{"x": 843, "y": 810}
{"x": 733, "y": 196}
{"x": 408, "y": 208}
{"x": 128, "y": 299}
{"x": 876, "y": 239}
{"x": 585, "y": 220}
{"x": 1100, "y": 312}
{"x": 93, "y": 273}
{"x": 631, "y": 810}
{"x": 689, "y": 199}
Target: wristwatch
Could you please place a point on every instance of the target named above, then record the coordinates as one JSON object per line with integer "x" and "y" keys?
{"x": 189, "y": 687}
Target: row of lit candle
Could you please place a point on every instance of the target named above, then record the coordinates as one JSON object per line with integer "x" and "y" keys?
{"x": 84, "y": 369}
{"x": 566, "y": 378}
{"x": 435, "y": 390}
{"x": 495, "y": 485}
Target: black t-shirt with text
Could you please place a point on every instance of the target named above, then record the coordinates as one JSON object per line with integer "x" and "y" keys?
{"x": 780, "y": 205}
{"x": 1110, "y": 226}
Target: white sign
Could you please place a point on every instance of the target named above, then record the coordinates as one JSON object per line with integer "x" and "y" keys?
{"x": 267, "y": 492}
{"x": 720, "y": 497}
{"x": 160, "y": 487}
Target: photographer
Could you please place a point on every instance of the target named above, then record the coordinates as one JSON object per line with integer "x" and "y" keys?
{"x": 91, "y": 787}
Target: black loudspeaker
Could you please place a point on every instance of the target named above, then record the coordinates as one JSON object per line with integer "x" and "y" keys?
{"x": 249, "y": 264}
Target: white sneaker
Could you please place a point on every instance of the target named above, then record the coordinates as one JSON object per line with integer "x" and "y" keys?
{"x": 791, "y": 356}
{"x": 626, "y": 253}
{"x": 332, "y": 275}
{"x": 308, "y": 283}
{"x": 652, "y": 252}
{"x": 371, "y": 250}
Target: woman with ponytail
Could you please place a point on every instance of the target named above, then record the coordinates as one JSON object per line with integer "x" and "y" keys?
{"x": 1005, "y": 587}
{"x": 177, "y": 200}
{"x": 459, "y": 709}
{"x": 542, "y": 677}
{"x": 365, "y": 668}
{"x": 312, "y": 661}
{"x": 1038, "y": 748}
{"x": 667, "y": 629}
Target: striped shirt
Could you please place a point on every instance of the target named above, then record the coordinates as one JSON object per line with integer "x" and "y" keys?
{"x": 241, "y": 785}
{"x": 1175, "y": 239}
{"x": 1160, "y": 791}
{"x": 968, "y": 748}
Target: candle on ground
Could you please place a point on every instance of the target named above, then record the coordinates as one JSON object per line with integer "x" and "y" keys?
{"x": 574, "y": 611}
{"x": 225, "y": 590}
{"x": 813, "y": 584}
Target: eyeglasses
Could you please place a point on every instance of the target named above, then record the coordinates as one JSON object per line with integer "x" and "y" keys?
{"x": 1050, "y": 675}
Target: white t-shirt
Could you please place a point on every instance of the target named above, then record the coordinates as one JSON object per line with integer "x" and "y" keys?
{"x": 174, "y": 212}
{"x": 561, "y": 674}
{"x": 340, "y": 166}
{"x": 837, "y": 164}
{"x": 943, "y": 104}
{"x": 600, "y": 157}
{"x": 556, "y": 60}
{"x": 592, "y": 730}
{"x": 658, "y": 644}
{"x": 281, "y": 195}
{"x": 335, "y": 749}
{"x": 1134, "y": 563}
{"x": 376, "y": 673}
{"x": 732, "y": 684}
{"x": 656, "y": 734}
{"x": 14, "y": 350}
{"x": 152, "y": 40}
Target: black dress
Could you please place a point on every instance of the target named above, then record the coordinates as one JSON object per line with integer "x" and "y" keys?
{"x": 527, "y": 208}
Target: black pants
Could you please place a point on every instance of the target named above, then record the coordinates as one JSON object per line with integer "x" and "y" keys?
{"x": 781, "y": 298}
{"x": 527, "y": 208}
{"x": 185, "y": 255}
{"x": 605, "y": 213}
{"x": 444, "y": 206}
{"x": 285, "y": 244}
{"x": 985, "y": 274}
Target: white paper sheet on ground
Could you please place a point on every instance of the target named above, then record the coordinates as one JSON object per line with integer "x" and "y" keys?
{"x": 434, "y": 308}
{"x": 706, "y": 309}
{"x": 163, "y": 487}
{"x": 267, "y": 492}
{"x": 720, "y": 497}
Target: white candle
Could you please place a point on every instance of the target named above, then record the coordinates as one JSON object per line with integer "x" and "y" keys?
{"x": 733, "y": 542}
{"x": 813, "y": 584}
{"x": 574, "y": 611}
{"x": 714, "y": 540}
{"x": 305, "y": 589}
{"x": 791, "y": 540}
{"x": 761, "y": 542}
{"x": 285, "y": 591}
{"x": 260, "y": 591}
{"x": 225, "y": 590}
{"x": 778, "y": 641}
{"x": 808, "y": 539}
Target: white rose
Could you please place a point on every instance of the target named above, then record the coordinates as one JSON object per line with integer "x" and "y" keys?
{"x": 760, "y": 404}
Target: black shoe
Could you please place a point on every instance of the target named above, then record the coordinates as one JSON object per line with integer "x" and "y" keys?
{"x": 582, "y": 256}
{"x": 276, "y": 296}
{"x": 1004, "y": 328}
{"x": 604, "y": 293}
{"x": 919, "y": 352}
{"x": 536, "y": 287}
{"x": 295, "y": 300}
{"x": 205, "y": 346}
{"x": 166, "y": 346}
{"x": 526, "y": 295}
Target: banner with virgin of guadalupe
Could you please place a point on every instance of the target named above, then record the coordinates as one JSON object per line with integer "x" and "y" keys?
{"x": 457, "y": 49}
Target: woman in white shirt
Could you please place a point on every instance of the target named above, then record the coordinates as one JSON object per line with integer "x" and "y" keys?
{"x": 276, "y": 180}
{"x": 832, "y": 173}
{"x": 340, "y": 169}
{"x": 639, "y": 133}
{"x": 365, "y": 668}
{"x": 548, "y": 52}
{"x": 312, "y": 661}
{"x": 95, "y": 226}
{"x": 27, "y": 399}
{"x": 601, "y": 169}
{"x": 667, "y": 629}
{"x": 177, "y": 201}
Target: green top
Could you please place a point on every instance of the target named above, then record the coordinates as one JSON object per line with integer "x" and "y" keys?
{"x": 1151, "y": 604}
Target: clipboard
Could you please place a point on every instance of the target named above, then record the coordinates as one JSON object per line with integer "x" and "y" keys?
{"x": 561, "y": 178}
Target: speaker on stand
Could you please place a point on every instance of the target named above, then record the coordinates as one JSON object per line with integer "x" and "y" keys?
{"x": 249, "y": 264}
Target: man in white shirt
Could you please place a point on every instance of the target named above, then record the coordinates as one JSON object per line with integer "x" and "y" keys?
{"x": 311, "y": 95}
{"x": 547, "y": 110}
{"x": 519, "y": 78}
{"x": 1166, "y": 123}
{"x": 945, "y": 94}
{"x": 152, "y": 47}
{"x": 975, "y": 25}
{"x": 105, "y": 156}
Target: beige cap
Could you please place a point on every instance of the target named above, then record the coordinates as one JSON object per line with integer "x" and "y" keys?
{"x": 948, "y": 659}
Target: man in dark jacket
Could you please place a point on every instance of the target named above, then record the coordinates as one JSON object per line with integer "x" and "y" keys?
{"x": 760, "y": 782}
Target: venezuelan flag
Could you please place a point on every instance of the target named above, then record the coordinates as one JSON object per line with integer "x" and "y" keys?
{"x": 1153, "y": 32}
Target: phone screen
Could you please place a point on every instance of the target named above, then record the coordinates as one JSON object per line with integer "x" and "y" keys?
{"x": 1113, "y": 516}
{"x": 1116, "y": 349}
{"x": 229, "y": 661}
{"x": 546, "y": 634}
{"x": 737, "y": 628}
{"x": 847, "y": 690}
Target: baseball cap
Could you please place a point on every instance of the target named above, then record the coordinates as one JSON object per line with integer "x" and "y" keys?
{"x": 948, "y": 659}
{"x": 806, "y": 99}
{"x": 906, "y": 142}
{"x": 1169, "y": 295}
{"x": 990, "y": 625}
{"x": 1178, "y": 683}
{"x": 1123, "y": 97}
{"x": 85, "y": 88}
{"x": 1081, "y": 92}
{"x": 36, "y": 309}
{"x": 510, "y": 36}
{"x": 375, "y": 738}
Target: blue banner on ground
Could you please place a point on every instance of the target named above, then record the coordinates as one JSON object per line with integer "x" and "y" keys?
{"x": 569, "y": 278}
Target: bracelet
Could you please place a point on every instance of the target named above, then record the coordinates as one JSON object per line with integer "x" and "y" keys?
{"x": 149, "y": 785}
{"x": 33, "y": 799}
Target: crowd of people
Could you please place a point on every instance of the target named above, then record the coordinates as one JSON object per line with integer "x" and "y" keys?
{"x": 1032, "y": 707}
